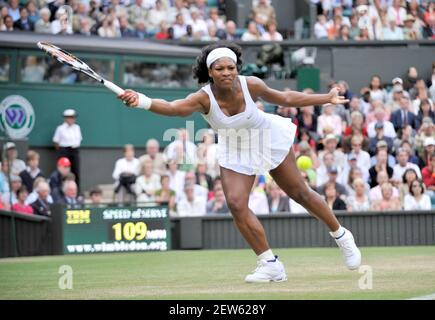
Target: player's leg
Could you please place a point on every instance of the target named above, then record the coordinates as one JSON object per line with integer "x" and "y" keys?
{"x": 288, "y": 177}
{"x": 237, "y": 188}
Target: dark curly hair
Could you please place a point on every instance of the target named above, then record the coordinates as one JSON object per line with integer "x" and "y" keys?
{"x": 200, "y": 70}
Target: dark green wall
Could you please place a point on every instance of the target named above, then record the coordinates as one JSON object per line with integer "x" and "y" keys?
{"x": 104, "y": 120}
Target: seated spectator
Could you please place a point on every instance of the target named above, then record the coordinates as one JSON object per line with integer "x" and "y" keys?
{"x": 154, "y": 155}
{"x": 59, "y": 25}
{"x": 402, "y": 165}
{"x": 359, "y": 201}
{"x": 353, "y": 174}
{"x": 379, "y": 140}
{"x": 96, "y": 196}
{"x": 182, "y": 149}
{"x": 218, "y": 204}
{"x": 32, "y": 171}
{"x": 322, "y": 170}
{"x": 34, "y": 195}
{"x": 214, "y": 19}
{"x": 231, "y": 31}
{"x": 252, "y": 33}
{"x": 329, "y": 118}
{"x": 180, "y": 27}
{"x": 147, "y": 184}
{"x": 320, "y": 27}
{"x": 425, "y": 111}
{"x": 393, "y": 102}
{"x": 332, "y": 197}
{"x": 376, "y": 192}
{"x": 271, "y": 34}
{"x": 41, "y": 205}
{"x": 190, "y": 204}
{"x": 264, "y": 10}
{"x": 428, "y": 174}
{"x": 125, "y": 172}
{"x": 332, "y": 178}
{"x": 377, "y": 91}
{"x": 18, "y": 165}
{"x": 163, "y": 31}
{"x": 202, "y": 178}
{"x": 4, "y": 184}
{"x": 140, "y": 30}
{"x": 136, "y": 12}
{"x": 124, "y": 28}
{"x": 43, "y": 24}
{"x": 157, "y": 15}
{"x": 409, "y": 176}
{"x": 8, "y": 24}
{"x": 14, "y": 9}
{"x": 24, "y": 23}
{"x": 389, "y": 130}
{"x": 277, "y": 200}
{"x": 176, "y": 178}
{"x": 71, "y": 198}
{"x": 356, "y": 125}
{"x": 166, "y": 195}
{"x": 403, "y": 117}
{"x": 200, "y": 191}
{"x": 380, "y": 164}
{"x": 199, "y": 26}
{"x": 10, "y": 197}
{"x": 307, "y": 119}
{"x": 257, "y": 199}
{"x": 396, "y": 12}
{"x": 388, "y": 201}
{"x": 330, "y": 143}
{"x": 206, "y": 152}
{"x": 416, "y": 199}
{"x": 362, "y": 157}
{"x": 392, "y": 31}
{"x": 21, "y": 206}
{"x": 58, "y": 176}
{"x": 410, "y": 30}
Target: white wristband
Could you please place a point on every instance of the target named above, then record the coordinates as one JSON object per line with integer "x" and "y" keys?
{"x": 144, "y": 102}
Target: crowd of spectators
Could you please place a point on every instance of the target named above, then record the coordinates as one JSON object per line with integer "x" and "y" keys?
{"x": 197, "y": 20}
{"x": 375, "y": 19}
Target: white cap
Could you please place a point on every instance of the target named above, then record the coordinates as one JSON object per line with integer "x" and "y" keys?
{"x": 10, "y": 145}
{"x": 362, "y": 8}
{"x": 429, "y": 142}
{"x": 69, "y": 113}
{"x": 397, "y": 79}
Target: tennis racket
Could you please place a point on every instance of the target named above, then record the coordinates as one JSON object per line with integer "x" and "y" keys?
{"x": 67, "y": 58}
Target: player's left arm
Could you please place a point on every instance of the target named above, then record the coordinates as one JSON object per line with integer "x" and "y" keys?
{"x": 292, "y": 98}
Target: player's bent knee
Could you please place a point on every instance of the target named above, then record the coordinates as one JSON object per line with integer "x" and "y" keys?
{"x": 237, "y": 206}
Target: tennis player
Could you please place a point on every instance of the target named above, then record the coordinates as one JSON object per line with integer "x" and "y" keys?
{"x": 227, "y": 102}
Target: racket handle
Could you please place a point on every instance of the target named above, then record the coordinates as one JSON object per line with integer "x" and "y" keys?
{"x": 113, "y": 87}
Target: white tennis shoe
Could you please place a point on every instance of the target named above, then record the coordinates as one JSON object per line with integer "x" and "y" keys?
{"x": 351, "y": 253}
{"x": 268, "y": 271}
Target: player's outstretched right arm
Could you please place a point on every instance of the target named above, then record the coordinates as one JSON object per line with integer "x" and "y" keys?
{"x": 182, "y": 107}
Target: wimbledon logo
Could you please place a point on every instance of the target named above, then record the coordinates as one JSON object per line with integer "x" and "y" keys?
{"x": 16, "y": 116}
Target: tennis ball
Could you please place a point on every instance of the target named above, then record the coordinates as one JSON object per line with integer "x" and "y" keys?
{"x": 304, "y": 163}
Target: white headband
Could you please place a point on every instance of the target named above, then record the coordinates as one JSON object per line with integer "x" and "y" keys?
{"x": 220, "y": 53}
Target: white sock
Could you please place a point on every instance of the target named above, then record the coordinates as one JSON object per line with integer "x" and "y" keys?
{"x": 338, "y": 233}
{"x": 267, "y": 255}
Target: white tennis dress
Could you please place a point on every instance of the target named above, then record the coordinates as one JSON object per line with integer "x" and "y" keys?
{"x": 251, "y": 142}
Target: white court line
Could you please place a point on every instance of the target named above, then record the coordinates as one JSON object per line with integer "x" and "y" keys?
{"x": 428, "y": 297}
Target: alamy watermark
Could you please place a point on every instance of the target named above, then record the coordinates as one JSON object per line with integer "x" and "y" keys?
{"x": 244, "y": 145}
{"x": 66, "y": 279}
{"x": 365, "y": 282}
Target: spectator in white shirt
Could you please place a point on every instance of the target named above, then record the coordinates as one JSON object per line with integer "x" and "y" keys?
{"x": 329, "y": 119}
{"x": 375, "y": 193}
{"x": 320, "y": 28}
{"x": 252, "y": 34}
{"x": 330, "y": 143}
{"x": 183, "y": 142}
{"x": 403, "y": 164}
{"x": 362, "y": 157}
{"x": 176, "y": 178}
{"x": 389, "y": 130}
{"x": 397, "y": 13}
{"x": 214, "y": 19}
{"x": 191, "y": 205}
{"x": 179, "y": 27}
{"x": 154, "y": 155}
{"x": 67, "y": 139}
{"x": 125, "y": 173}
{"x": 271, "y": 34}
{"x": 199, "y": 26}
{"x": 18, "y": 165}
{"x": 417, "y": 199}
{"x": 156, "y": 15}
{"x": 147, "y": 184}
